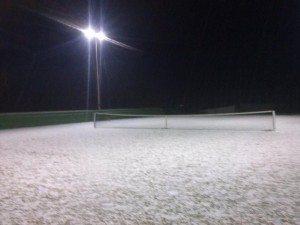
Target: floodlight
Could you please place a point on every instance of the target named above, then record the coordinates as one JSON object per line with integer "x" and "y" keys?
{"x": 101, "y": 36}
{"x": 89, "y": 33}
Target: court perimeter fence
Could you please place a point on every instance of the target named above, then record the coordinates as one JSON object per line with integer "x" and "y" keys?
{"x": 32, "y": 119}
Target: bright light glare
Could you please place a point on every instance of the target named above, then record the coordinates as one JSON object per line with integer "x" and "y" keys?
{"x": 89, "y": 33}
{"x": 101, "y": 36}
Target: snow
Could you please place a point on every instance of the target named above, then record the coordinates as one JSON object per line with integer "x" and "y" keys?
{"x": 75, "y": 174}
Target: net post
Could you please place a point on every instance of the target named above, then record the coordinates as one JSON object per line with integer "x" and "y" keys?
{"x": 94, "y": 120}
{"x": 274, "y": 120}
{"x": 166, "y": 122}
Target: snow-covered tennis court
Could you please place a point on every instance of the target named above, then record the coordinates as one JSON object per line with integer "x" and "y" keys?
{"x": 75, "y": 174}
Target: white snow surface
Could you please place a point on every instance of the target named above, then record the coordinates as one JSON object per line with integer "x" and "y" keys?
{"x": 75, "y": 174}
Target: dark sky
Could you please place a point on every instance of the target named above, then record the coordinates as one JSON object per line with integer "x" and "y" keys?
{"x": 197, "y": 54}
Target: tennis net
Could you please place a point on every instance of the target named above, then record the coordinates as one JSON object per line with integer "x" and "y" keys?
{"x": 261, "y": 120}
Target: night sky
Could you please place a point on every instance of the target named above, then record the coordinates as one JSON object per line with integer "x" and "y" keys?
{"x": 191, "y": 55}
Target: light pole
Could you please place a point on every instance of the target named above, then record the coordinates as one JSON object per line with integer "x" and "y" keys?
{"x": 91, "y": 34}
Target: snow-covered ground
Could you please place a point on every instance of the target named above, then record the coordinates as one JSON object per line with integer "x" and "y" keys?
{"x": 75, "y": 174}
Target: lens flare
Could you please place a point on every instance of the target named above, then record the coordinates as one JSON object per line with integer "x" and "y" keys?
{"x": 89, "y": 33}
{"x": 101, "y": 36}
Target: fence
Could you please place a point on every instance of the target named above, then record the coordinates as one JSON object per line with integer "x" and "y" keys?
{"x": 31, "y": 119}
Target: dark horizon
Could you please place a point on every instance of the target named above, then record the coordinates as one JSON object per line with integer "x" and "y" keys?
{"x": 193, "y": 56}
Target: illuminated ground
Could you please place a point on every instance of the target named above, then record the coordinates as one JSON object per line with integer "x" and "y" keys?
{"x": 74, "y": 174}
